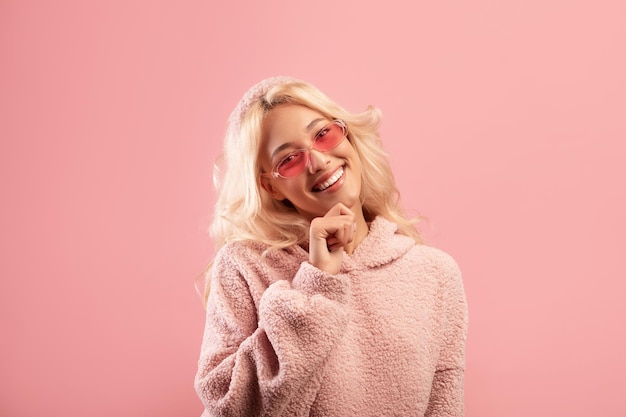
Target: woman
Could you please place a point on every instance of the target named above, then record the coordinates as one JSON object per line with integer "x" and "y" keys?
{"x": 321, "y": 300}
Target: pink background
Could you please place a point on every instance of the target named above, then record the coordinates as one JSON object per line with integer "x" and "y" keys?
{"x": 506, "y": 122}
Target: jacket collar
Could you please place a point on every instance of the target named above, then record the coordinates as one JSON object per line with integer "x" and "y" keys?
{"x": 381, "y": 246}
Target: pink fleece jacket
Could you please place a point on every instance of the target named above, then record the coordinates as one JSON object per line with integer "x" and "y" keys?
{"x": 383, "y": 337}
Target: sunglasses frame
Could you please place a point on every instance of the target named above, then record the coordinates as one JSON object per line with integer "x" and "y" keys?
{"x": 307, "y": 151}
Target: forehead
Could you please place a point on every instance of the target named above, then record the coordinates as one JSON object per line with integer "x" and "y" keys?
{"x": 289, "y": 123}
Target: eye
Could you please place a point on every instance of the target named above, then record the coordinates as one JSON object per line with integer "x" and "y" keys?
{"x": 328, "y": 137}
{"x": 322, "y": 135}
{"x": 290, "y": 161}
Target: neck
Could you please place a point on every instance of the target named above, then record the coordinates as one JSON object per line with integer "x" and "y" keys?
{"x": 361, "y": 232}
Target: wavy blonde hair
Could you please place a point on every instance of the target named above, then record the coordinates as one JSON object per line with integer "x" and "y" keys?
{"x": 245, "y": 211}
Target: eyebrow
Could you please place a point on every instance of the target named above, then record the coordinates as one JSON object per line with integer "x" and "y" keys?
{"x": 308, "y": 128}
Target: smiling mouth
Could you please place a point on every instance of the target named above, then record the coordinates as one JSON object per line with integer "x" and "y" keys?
{"x": 332, "y": 180}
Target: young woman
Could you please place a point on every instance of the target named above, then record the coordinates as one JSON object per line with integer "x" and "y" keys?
{"x": 321, "y": 300}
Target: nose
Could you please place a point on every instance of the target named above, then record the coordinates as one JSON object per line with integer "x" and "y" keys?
{"x": 317, "y": 160}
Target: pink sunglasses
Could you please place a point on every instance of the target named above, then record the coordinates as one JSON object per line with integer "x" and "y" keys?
{"x": 329, "y": 137}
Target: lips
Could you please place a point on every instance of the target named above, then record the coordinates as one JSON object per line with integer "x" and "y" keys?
{"x": 324, "y": 184}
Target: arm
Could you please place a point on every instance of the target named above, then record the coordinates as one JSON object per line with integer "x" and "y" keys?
{"x": 268, "y": 364}
{"x": 446, "y": 397}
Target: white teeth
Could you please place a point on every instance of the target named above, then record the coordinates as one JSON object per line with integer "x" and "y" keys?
{"x": 331, "y": 180}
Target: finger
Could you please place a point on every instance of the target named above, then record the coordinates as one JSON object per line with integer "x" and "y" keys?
{"x": 328, "y": 225}
{"x": 351, "y": 233}
{"x": 338, "y": 210}
{"x": 335, "y": 246}
{"x": 342, "y": 233}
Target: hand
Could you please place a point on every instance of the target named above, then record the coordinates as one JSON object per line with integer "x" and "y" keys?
{"x": 327, "y": 237}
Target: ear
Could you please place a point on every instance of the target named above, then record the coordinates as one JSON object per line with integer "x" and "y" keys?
{"x": 266, "y": 184}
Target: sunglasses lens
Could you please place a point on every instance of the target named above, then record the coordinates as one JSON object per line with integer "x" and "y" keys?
{"x": 329, "y": 137}
{"x": 293, "y": 164}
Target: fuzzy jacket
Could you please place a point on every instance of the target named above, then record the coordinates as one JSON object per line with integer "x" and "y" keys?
{"x": 383, "y": 337}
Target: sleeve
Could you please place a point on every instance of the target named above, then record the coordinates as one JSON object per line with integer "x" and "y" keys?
{"x": 270, "y": 363}
{"x": 447, "y": 391}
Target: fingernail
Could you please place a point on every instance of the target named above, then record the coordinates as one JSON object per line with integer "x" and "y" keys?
{"x": 354, "y": 227}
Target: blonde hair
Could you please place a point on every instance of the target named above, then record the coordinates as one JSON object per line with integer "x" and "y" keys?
{"x": 245, "y": 211}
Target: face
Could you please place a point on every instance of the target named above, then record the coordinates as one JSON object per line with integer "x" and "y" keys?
{"x": 331, "y": 177}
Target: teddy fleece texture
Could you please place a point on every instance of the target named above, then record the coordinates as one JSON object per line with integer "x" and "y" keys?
{"x": 383, "y": 337}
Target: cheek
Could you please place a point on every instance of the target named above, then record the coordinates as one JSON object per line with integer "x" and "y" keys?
{"x": 356, "y": 160}
{"x": 292, "y": 189}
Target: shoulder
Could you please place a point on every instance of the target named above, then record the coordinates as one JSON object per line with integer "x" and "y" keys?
{"x": 246, "y": 255}
{"x": 436, "y": 261}
{"x": 435, "y": 255}
{"x": 240, "y": 255}
{"x": 239, "y": 250}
